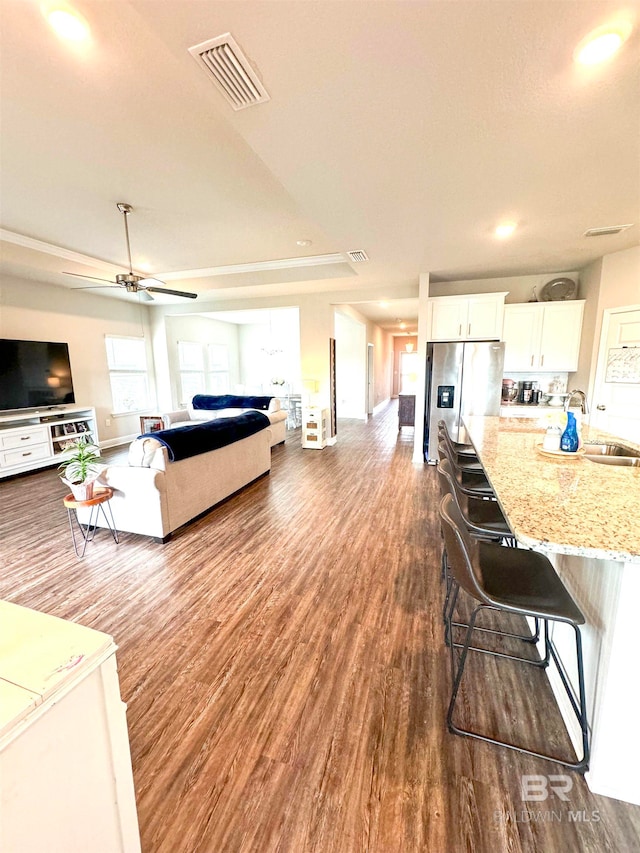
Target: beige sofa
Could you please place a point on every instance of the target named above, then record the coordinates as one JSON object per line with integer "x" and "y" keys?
{"x": 155, "y": 497}
{"x": 277, "y": 417}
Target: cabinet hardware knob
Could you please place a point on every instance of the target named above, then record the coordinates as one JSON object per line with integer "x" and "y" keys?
{"x": 469, "y": 331}
{"x": 460, "y": 330}
{"x": 532, "y": 357}
{"x": 28, "y": 453}
{"x": 541, "y": 360}
{"x": 25, "y": 437}
{"x": 601, "y": 408}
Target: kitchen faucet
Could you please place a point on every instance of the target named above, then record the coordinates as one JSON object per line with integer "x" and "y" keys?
{"x": 583, "y": 401}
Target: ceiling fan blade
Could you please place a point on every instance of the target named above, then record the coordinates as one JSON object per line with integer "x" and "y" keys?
{"x": 150, "y": 282}
{"x": 166, "y": 290}
{"x": 145, "y": 295}
{"x": 96, "y": 286}
{"x": 92, "y": 277}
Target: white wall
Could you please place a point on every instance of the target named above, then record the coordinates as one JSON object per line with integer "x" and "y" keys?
{"x": 32, "y": 310}
{"x": 351, "y": 367}
{"x": 520, "y": 287}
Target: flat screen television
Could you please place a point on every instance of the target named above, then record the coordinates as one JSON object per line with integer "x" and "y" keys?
{"x": 34, "y": 374}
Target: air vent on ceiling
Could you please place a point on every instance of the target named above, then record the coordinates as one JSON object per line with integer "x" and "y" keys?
{"x": 358, "y": 255}
{"x": 224, "y": 62}
{"x": 610, "y": 229}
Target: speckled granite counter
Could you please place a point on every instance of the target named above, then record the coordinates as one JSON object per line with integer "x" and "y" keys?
{"x": 567, "y": 506}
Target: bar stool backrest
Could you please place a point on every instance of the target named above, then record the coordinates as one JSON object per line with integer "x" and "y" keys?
{"x": 462, "y": 550}
{"x": 449, "y": 486}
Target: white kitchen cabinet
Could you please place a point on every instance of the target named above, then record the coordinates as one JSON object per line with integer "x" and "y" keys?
{"x": 543, "y": 335}
{"x": 464, "y": 318}
{"x": 66, "y": 784}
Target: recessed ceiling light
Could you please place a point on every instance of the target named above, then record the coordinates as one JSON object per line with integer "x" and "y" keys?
{"x": 303, "y": 242}
{"x": 602, "y": 44}
{"x": 403, "y": 325}
{"x": 68, "y": 24}
{"x": 505, "y": 229}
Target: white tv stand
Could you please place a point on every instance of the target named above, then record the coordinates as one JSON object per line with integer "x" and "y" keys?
{"x": 35, "y": 439}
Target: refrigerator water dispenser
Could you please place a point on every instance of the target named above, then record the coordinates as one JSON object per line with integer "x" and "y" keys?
{"x": 445, "y": 397}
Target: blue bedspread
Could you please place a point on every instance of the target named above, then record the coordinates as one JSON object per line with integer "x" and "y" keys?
{"x": 193, "y": 439}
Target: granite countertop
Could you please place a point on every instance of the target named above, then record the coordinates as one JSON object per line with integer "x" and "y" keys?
{"x": 564, "y": 505}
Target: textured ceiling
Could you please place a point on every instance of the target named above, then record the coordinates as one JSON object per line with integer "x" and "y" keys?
{"x": 407, "y": 129}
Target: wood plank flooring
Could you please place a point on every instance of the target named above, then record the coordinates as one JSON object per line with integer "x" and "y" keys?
{"x": 284, "y": 669}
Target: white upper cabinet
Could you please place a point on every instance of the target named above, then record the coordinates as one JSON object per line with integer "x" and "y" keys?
{"x": 543, "y": 335}
{"x": 466, "y": 318}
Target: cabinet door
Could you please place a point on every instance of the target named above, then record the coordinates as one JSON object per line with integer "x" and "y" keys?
{"x": 521, "y": 335}
{"x": 561, "y": 332}
{"x": 484, "y": 318}
{"x": 448, "y": 319}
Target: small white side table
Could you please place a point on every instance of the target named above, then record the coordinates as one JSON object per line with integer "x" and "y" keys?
{"x": 315, "y": 427}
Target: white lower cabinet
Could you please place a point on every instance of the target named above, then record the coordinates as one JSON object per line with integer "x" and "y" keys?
{"x": 66, "y": 784}
{"x": 542, "y": 336}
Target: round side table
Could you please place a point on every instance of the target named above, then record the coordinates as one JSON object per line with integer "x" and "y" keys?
{"x": 98, "y": 502}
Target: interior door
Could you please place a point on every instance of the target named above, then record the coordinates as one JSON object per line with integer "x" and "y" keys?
{"x": 616, "y": 401}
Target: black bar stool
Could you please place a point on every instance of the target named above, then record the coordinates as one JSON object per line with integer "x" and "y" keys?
{"x": 472, "y": 482}
{"x": 514, "y": 581}
{"x": 484, "y": 521}
{"x": 460, "y": 448}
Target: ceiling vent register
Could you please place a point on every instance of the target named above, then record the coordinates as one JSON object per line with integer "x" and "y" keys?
{"x": 602, "y": 232}
{"x": 223, "y": 61}
{"x": 358, "y": 255}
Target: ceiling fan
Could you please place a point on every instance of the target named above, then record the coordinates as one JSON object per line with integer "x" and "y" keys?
{"x": 130, "y": 281}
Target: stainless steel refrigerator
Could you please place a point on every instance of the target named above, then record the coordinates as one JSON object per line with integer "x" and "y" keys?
{"x": 462, "y": 379}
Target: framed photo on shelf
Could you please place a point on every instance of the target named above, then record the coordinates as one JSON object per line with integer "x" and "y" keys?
{"x": 69, "y": 429}
{"x": 81, "y": 426}
{"x": 58, "y": 431}
{"x": 152, "y": 423}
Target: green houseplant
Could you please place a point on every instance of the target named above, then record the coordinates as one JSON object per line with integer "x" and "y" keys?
{"x": 81, "y": 466}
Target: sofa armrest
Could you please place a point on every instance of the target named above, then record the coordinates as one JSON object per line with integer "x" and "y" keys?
{"x": 170, "y": 418}
{"x": 139, "y": 502}
{"x": 274, "y": 405}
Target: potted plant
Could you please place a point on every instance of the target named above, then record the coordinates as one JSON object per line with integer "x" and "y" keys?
{"x": 81, "y": 466}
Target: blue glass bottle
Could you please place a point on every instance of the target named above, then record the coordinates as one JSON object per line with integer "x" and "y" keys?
{"x": 569, "y": 438}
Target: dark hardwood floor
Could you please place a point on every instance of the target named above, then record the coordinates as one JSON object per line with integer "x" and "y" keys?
{"x": 284, "y": 669}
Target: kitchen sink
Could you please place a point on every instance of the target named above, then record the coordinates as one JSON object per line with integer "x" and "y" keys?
{"x": 612, "y": 454}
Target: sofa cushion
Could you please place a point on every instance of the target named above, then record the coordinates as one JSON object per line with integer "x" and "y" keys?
{"x": 230, "y": 401}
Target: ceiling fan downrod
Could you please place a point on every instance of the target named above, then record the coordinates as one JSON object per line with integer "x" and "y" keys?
{"x": 125, "y": 210}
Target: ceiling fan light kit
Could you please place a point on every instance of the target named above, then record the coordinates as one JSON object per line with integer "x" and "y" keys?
{"x": 131, "y": 282}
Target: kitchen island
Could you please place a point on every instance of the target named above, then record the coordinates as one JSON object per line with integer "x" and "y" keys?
{"x": 585, "y": 517}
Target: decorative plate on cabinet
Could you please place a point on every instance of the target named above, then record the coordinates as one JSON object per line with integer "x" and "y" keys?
{"x": 558, "y": 289}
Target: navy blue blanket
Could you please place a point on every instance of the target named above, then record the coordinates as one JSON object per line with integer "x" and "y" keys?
{"x": 229, "y": 401}
{"x": 193, "y": 439}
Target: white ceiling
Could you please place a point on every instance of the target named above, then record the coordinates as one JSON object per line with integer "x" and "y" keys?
{"x": 407, "y": 129}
